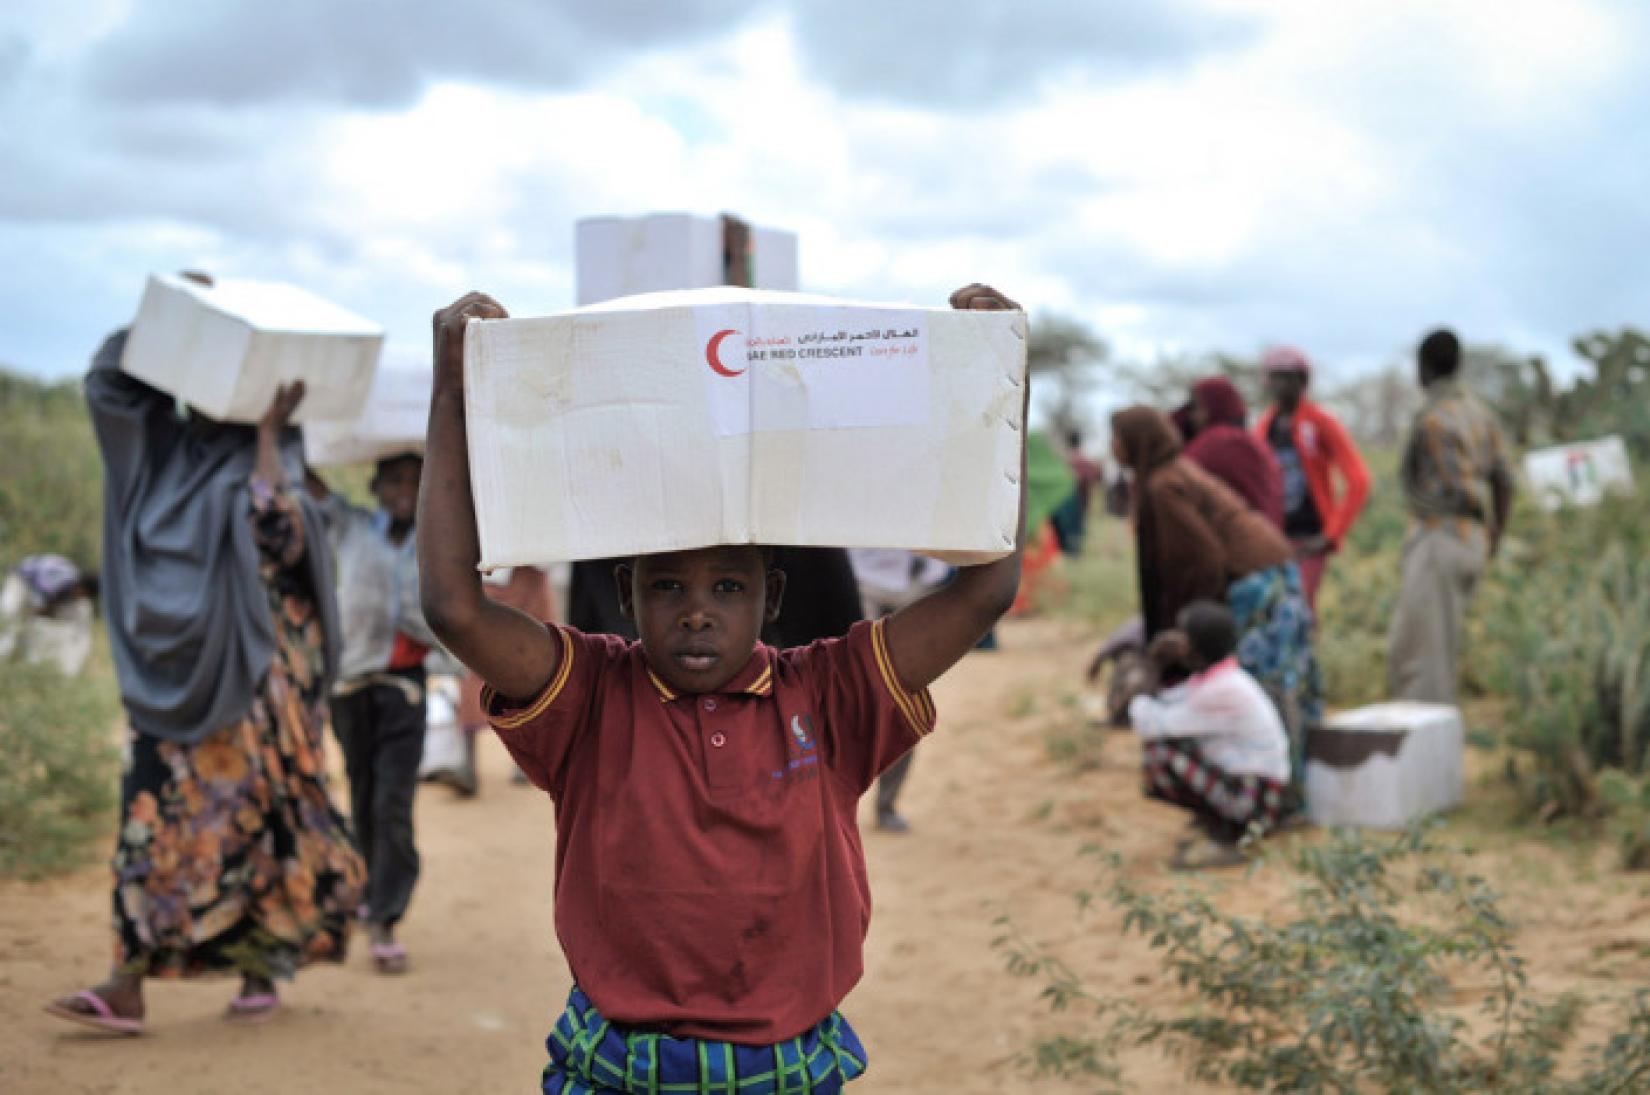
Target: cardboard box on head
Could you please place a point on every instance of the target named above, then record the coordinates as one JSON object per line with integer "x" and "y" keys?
{"x": 625, "y": 256}
{"x": 395, "y": 420}
{"x": 223, "y": 349}
{"x": 685, "y": 419}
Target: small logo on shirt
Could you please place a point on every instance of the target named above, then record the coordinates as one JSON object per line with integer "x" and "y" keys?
{"x": 801, "y": 760}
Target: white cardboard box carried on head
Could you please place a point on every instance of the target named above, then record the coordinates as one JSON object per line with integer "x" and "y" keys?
{"x": 224, "y": 348}
{"x": 626, "y": 256}
{"x": 722, "y": 416}
{"x": 394, "y": 421}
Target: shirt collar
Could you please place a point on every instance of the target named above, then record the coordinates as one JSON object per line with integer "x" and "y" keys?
{"x": 1443, "y": 388}
{"x": 755, "y": 679}
{"x": 1220, "y": 668}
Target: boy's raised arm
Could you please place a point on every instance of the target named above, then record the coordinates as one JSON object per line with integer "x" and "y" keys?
{"x": 511, "y": 651}
{"x": 929, "y": 637}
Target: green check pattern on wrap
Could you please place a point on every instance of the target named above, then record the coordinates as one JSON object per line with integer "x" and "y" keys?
{"x": 590, "y": 1056}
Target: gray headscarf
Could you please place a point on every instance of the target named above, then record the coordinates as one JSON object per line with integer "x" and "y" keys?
{"x": 189, "y": 617}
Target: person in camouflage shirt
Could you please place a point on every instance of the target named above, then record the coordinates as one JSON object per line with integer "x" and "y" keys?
{"x": 1458, "y": 487}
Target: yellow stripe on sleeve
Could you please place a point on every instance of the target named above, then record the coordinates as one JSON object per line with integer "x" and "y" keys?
{"x": 546, "y": 698}
{"x": 917, "y": 707}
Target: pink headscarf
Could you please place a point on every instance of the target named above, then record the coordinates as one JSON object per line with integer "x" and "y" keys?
{"x": 1286, "y": 359}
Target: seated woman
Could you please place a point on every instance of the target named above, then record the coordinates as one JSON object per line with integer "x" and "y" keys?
{"x": 1221, "y": 444}
{"x": 1213, "y": 744}
{"x": 1196, "y": 540}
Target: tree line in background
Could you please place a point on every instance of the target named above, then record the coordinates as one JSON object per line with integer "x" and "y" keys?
{"x": 1070, "y": 362}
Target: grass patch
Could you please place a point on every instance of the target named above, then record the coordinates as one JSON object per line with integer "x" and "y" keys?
{"x": 59, "y": 783}
{"x": 1075, "y": 746}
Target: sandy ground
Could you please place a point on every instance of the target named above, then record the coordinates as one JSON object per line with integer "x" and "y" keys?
{"x": 999, "y": 827}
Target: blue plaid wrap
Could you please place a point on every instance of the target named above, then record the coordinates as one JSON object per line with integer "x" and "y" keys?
{"x": 590, "y": 1056}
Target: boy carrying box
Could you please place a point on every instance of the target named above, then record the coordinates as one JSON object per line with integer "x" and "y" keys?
{"x": 711, "y": 892}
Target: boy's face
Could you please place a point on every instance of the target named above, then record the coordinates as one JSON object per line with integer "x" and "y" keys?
{"x": 396, "y": 488}
{"x": 700, "y": 613}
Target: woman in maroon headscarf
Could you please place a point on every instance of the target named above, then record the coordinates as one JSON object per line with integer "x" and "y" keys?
{"x": 1222, "y": 445}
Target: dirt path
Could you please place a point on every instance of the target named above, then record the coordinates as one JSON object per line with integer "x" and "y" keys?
{"x": 999, "y": 828}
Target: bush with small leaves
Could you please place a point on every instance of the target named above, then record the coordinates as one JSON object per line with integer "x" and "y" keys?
{"x": 1348, "y": 995}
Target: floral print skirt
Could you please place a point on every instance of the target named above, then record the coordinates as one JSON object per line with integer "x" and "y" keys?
{"x": 231, "y": 857}
{"x": 1275, "y": 647}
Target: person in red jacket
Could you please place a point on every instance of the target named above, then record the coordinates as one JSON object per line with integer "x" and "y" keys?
{"x": 1312, "y": 447}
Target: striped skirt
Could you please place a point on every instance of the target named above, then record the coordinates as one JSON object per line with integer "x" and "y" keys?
{"x": 590, "y": 1056}
{"x": 1177, "y": 773}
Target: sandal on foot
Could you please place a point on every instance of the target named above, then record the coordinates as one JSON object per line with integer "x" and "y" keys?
{"x": 1208, "y": 854}
{"x": 102, "y": 1016}
{"x": 389, "y": 957}
{"x": 252, "y": 1008}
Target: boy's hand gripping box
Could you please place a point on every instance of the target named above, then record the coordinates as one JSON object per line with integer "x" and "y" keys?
{"x": 715, "y": 416}
{"x": 395, "y": 420}
{"x": 223, "y": 349}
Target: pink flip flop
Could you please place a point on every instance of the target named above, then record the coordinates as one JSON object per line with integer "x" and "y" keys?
{"x": 259, "y": 1007}
{"x": 102, "y": 1016}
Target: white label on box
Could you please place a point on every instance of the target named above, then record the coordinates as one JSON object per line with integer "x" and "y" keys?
{"x": 800, "y": 369}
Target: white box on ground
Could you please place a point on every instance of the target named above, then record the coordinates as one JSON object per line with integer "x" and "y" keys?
{"x": 224, "y": 349}
{"x": 625, "y": 256}
{"x": 1381, "y": 767}
{"x": 712, "y": 416}
{"x": 395, "y": 420}
{"x": 1580, "y": 474}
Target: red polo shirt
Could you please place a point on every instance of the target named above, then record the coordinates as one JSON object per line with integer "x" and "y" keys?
{"x": 710, "y": 881}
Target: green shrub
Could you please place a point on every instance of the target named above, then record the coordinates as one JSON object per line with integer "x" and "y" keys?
{"x": 1348, "y": 995}
{"x": 59, "y": 780}
{"x": 51, "y": 481}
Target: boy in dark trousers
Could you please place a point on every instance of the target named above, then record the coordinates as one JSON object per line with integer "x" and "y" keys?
{"x": 378, "y": 704}
{"x": 711, "y": 892}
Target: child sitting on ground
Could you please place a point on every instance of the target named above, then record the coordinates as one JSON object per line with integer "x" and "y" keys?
{"x": 711, "y": 891}
{"x": 1214, "y": 744}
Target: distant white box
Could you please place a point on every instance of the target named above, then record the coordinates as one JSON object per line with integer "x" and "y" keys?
{"x": 681, "y": 420}
{"x": 625, "y": 256}
{"x": 1381, "y": 767}
{"x": 394, "y": 421}
{"x": 224, "y": 349}
{"x": 1580, "y": 474}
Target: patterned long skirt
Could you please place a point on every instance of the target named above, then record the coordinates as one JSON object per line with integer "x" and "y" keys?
{"x": 1275, "y": 626}
{"x": 231, "y": 856}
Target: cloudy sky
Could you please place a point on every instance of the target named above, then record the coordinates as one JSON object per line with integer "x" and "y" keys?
{"x": 1185, "y": 175}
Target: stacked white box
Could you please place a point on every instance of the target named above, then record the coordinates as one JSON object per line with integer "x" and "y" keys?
{"x": 1579, "y": 474}
{"x": 681, "y": 420}
{"x": 1381, "y": 767}
{"x": 626, "y": 256}
{"x": 224, "y": 349}
{"x": 394, "y": 421}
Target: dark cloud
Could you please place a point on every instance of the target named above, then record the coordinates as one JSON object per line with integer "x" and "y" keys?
{"x": 954, "y": 56}
{"x": 380, "y": 54}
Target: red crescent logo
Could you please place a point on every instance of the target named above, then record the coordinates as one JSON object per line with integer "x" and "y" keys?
{"x": 713, "y": 348}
